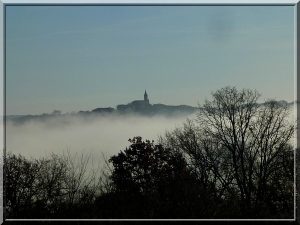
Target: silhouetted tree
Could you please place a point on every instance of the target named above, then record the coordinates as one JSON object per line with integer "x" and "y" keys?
{"x": 53, "y": 187}
{"x": 140, "y": 167}
{"x": 244, "y": 148}
{"x": 156, "y": 182}
{"x": 21, "y": 183}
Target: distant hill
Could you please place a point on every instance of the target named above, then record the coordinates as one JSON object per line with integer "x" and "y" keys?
{"x": 137, "y": 107}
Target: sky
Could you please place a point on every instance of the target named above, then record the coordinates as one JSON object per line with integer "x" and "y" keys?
{"x": 73, "y": 58}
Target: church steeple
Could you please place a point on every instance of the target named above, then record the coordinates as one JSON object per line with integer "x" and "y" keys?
{"x": 146, "y": 99}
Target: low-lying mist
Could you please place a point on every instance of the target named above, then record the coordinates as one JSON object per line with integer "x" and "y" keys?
{"x": 97, "y": 135}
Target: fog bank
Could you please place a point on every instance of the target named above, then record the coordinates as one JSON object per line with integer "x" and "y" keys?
{"x": 106, "y": 134}
{"x": 90, "y": 135}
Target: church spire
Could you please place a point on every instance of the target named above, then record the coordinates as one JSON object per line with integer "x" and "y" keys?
{"x": 146, "y": 99}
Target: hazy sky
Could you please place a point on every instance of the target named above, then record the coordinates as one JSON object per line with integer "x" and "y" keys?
{"x": 75, "y": 58}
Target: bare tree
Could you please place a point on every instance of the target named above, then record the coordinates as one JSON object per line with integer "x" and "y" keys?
{"x": 48, "y": 186}
{"x": 254, "y": 136}
{"x": 21, "y": 182}
{"x": 82, "y": 180}
{"x": 243, "y": 148}
{"x": 51, "y": 182}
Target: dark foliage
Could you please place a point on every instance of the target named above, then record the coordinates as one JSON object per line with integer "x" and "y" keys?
{"x": 153, "y": 182}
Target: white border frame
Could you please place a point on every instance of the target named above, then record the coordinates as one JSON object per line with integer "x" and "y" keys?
{"x": 3, "y": 3}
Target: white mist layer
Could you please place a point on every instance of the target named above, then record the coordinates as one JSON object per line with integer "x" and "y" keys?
{"x": 101, "y": 135}
{"x": 96, "y": 136}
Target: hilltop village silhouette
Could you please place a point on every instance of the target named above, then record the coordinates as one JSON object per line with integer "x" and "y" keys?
{"x": 136, "y": 107}
{"x": 144, "y": 107}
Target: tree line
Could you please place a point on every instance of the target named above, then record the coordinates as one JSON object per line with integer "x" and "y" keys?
{"x": 235, "y": 160}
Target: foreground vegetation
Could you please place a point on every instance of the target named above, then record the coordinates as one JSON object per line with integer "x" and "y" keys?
{"x": 234, "y": 161}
